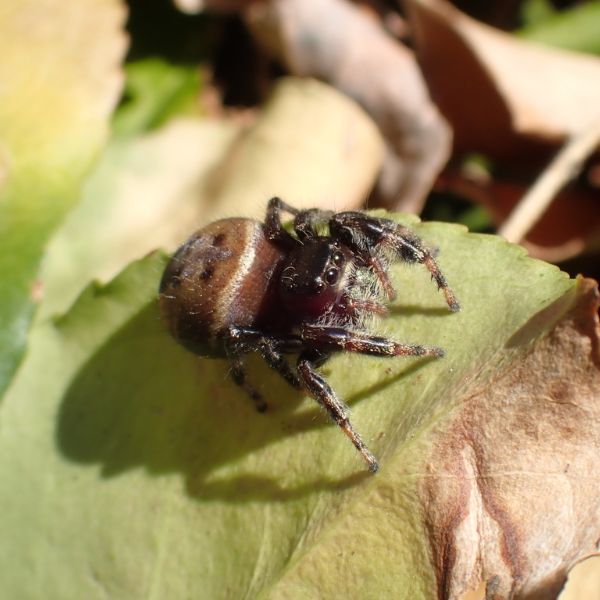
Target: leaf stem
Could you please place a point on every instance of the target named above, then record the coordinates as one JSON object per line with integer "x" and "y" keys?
{"x": 564, "y": 167}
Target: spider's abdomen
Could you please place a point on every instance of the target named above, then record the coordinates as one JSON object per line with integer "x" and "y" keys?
{"x": 220, "y": 277}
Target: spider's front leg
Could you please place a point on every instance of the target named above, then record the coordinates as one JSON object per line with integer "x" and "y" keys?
{"x": 322, "y": 392}
{"x": 273, "y": 224}
{"x": 370, "y": 237}
{"x": 306, "y": 222}
{"x": 338, "y": 338}
{"x": 335, "y": 339}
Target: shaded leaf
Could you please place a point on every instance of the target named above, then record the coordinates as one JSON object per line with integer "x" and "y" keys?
{"x": 154, "y": 92}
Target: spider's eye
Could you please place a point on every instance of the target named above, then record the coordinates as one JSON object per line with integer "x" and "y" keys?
{"x": 338, "y": 258}
{"x": 331, "y": 276}
{"x": 318, "y": 285}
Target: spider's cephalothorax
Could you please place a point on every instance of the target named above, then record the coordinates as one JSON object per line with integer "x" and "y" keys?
{"x": 239, "y": 286}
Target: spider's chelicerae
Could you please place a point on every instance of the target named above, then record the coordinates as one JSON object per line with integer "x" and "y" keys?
{"x": 240, "y": 286}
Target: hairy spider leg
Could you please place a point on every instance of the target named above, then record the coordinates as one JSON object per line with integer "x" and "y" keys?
{"x": 338, "y": 338}
{"x": 411, "y": 248}
{"x": 238, "y": 376}
{"x": 335, "y": 339}
{"x": 363, "y": 233}
{"x": 322, "y": 392}
{"x": 373, "y": 263}
{"x": 307, "y": 222}
{"x": 305, "y": 225}
{"x": 371, "y": 306}
{"x": 279, "y": 363}
{"x": 243, "y": 340}
{"x": 273, "y": 225}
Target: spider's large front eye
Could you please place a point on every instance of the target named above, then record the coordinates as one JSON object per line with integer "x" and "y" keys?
{"x": 332, "y": 276}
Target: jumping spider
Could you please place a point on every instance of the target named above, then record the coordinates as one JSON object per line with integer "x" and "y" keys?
{"x": 239, "y": 286}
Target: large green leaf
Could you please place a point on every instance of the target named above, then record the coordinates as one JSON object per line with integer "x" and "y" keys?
{"x": 132, "y": 469}
{"x": 56, "y": 95}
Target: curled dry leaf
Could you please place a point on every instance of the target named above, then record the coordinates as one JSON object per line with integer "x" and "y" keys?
{"x": 514, "y": 100}
{"x": 337, "y": 42}
{"x": 517, "y": 102}
{"x": 310, "y": 144}
{"x": 511, "y": 496}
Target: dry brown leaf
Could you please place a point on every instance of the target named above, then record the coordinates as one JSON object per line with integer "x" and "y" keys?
{"x": 569, "y": 227}
{"x": 584, "y": 581}
{"x": 339, "y": 43}
{"x": 310, "y": 144}
{"x": 509, "y": 98}
{"x": 512, "y": 496}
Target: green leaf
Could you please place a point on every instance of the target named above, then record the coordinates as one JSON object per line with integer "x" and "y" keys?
{"x": 573, "y": 29}
{"x": 53, "y": 121}
{"x": 534, "y": 12}
{"x": 132, "y": 469}
{"x": 155, "y": 91}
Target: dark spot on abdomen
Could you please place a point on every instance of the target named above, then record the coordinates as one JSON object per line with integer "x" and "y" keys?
{"x": 208, "y": 272}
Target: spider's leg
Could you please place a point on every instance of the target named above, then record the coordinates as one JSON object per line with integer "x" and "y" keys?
{"x": 238, "y": 375}
{"x": 275, "y": 359}
{"x": 338, "y": 338}
{"x": 307, "y": 222}
{"x": 242, "y": 340}
{"x": 356, "y": 306}
{"x": 273, "y": 225}
{"x": 321, "y": 391}
{"x": 362, "y": 233}
{"x": 411, "y": 248}
{"x": 380, "y": 272}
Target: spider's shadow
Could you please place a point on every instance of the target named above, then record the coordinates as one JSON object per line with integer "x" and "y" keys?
{"x": 124, "y": 414}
